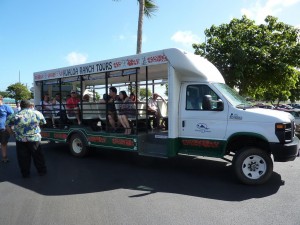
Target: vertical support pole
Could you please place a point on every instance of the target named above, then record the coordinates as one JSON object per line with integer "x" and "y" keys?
{"x": 106, "y": 100}
{"x": 136, "y": 103}
{"x": 81, "y": 108}
{"x": 147, "y": 115}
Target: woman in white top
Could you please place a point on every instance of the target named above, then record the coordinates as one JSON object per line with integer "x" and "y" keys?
{"x": 46, "y": 105}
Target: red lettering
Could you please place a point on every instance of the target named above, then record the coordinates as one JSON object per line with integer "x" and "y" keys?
{"x": 132, "y": 62}
{"x": 117, "y": 64}
{"x": 60, "y": 136}
{"x": 201, "y": 143}
{"x": 97, "y": 139}
{"x": 158, "y": 58}
{"x": 126, "y": 142}
{"x": 51, "y": 75}
{"x": 38, "y": 77}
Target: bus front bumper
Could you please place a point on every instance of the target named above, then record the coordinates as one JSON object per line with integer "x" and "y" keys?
{"x": 285, "y": 152}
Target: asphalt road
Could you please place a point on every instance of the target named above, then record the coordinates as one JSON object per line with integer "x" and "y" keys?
{"x": 116, "y": 188}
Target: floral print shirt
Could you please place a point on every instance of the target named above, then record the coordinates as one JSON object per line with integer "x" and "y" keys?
{"x": 26, "y": 125}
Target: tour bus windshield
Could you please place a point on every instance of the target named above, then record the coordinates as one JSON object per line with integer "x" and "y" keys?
{"x": 232, "y": 96}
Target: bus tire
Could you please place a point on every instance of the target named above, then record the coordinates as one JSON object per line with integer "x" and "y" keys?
{"x": 78, "y": 146}
{"x": 252, "y": 165}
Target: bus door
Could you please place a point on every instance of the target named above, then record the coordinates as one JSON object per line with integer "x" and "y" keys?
{"x": 202, "y": 123}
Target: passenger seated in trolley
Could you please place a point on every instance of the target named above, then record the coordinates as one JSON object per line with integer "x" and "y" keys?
{"x": 46, "y": 106}
{"x": 86, "y": 98}
{"x": 133, "y": 98}
{"x": 72, "y": 106}
{"x": 58, "y": 110}
{"x": 126, "y": 108}
{"x": 154, "y": 110}
{"x": 105, "y": 97}
{"x": 57, "y": 104}
{"x": 111, "y": 108}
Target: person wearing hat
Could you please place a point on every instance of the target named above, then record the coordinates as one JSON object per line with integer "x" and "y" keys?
{"x": 72, "y": 106}
{"x": 27, "y": 131}
{"x": 5, "y": 111}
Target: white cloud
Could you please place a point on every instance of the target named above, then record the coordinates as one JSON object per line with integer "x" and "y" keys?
{"x": 258, "y": 10}
{"x": 122, "y": 37}
{"x": 125, "y": 37}
{"x": 187, "y": 38}
{"x": 74, "y": 58}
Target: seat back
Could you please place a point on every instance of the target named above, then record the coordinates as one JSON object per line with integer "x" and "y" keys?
{"x": 101, "y": 111}
{"x": 141, "y": 110}
{"x": 89, "y": 111}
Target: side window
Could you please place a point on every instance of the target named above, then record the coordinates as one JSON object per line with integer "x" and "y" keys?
{"x": 200, "y": 97}
{"x": 192, "y": 98}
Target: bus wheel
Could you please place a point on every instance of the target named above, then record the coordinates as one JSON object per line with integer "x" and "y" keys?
{"x": 252, "y": 165}
{"x": 78, "y": 146}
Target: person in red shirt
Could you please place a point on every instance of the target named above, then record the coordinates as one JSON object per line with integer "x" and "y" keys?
{"x": 72, "y": 106}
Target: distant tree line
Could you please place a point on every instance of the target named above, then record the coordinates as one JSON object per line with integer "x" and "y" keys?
{"x": 260, "y": 61}
{"x": 17, "y": 91}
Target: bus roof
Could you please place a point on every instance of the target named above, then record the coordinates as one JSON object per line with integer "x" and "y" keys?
{"x": 190, "y": 65}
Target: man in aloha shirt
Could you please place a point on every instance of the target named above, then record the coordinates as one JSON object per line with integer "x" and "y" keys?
{"x": 27, "y": 131}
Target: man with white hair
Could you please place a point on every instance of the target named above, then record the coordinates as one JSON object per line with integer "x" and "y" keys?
{"x": 154, "y": 110}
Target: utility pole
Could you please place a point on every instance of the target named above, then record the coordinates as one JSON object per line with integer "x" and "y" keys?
{"x": 19, "y": 77}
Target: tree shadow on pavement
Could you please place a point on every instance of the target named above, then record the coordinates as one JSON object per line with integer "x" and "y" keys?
{"x": 108, "y": 170}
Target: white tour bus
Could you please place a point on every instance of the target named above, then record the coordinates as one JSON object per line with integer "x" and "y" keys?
{"x": 203, "y": 116}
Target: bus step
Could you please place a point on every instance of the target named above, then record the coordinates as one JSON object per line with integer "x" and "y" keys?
{"x": 151, "y": 145}
{"x": 163, "y": 156}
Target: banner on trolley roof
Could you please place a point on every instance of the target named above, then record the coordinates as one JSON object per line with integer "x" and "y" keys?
{"x": 103, "y": 66}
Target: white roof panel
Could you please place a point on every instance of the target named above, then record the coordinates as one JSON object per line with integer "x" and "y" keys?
{"x": 189, "y": 64}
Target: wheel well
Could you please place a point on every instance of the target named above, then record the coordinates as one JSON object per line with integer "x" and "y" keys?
{"x": 238, "y": 142}
{"x": 78, "y": 133}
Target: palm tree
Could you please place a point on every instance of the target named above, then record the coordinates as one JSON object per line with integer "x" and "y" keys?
{"x": 147, "y": 8}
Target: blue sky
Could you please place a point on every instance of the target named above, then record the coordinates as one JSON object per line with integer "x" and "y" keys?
{"x": 37, "y": 35}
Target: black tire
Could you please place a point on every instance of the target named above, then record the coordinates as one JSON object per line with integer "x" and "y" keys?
{"x": 252, "y": 165}
{"x": 78, "y": 146}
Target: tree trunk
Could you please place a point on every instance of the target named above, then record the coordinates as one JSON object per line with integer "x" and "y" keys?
{"x": 140, "y": 27}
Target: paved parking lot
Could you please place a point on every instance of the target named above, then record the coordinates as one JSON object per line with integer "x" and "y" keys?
{"x": 123, "y": 188}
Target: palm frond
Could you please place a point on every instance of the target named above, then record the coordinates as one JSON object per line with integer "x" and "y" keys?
{"x": 150, "y": 8}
